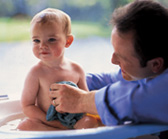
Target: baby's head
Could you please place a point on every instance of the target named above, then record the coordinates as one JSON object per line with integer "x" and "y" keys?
{"x": 50, "y": 15}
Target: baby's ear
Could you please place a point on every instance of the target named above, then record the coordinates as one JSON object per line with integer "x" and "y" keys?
{"x": 69, "y": 41}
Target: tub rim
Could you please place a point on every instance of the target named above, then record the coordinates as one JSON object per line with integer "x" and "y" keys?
{"x": 117, "y": 132}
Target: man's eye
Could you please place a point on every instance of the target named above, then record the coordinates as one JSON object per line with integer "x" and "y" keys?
{"x": 52, "y": 40}
{"x": 36, "y": 41}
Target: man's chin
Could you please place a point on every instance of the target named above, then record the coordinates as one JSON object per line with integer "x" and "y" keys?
{"x": 127, "y": 77}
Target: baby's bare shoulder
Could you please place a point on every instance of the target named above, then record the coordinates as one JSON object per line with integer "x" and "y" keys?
{"x": 36, "y": 69}
{"x": 75, "y": 65}
{"x": 34, "y": 73}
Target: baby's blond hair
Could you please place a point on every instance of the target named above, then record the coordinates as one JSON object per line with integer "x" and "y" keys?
{"x": 50, "y": 14}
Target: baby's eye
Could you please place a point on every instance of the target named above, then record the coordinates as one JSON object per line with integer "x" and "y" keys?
{"x": 52, "y": 40}
{"x": 36, "y": 41}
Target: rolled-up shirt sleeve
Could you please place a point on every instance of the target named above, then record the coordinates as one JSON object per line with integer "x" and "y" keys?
{"x": 121, "y": 101}
{"x": 97, "y": 81}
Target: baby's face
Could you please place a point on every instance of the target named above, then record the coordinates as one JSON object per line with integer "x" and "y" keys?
{"x": 49, "y": 40}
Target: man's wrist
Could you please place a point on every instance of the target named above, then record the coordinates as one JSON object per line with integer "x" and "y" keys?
{"x": 88, "y": 103}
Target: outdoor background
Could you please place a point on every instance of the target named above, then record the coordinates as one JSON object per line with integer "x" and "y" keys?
{"x": 90, "y": 26}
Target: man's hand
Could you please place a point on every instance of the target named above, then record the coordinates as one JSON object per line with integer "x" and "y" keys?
{"x": 71, "y": 99}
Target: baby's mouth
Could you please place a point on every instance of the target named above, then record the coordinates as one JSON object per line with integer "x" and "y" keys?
{"x": 44, "y": 53}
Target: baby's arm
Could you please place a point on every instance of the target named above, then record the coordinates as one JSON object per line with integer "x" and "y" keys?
{"x": 82, "y": 78}
{"x": 29, "y": 95}
{"x": 28, "y": 100}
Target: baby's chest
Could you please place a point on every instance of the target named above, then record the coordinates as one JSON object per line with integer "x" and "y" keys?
{"x": 48, "y": 79}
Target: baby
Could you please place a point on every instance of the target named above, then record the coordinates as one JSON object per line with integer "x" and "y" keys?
{"x": 51, "y": 34}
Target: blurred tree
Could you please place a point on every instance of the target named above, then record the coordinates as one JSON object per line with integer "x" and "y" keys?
{"x": 117, "y": 3}
{"x": 164, "y": 2}
{"x": 6, "y": 8}
{"x": 86, "y": 10}
{"x": 36, "y": 5}
{"x": 80, "y": 3}
{"x": 20, "y": 7}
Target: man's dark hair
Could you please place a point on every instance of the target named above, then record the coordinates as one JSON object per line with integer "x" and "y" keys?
{"x": 148, "y": 20}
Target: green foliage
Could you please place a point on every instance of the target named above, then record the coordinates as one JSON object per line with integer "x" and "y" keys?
{"x": 14, "y": 29}
{"x": 91, "y": 16}
{"x": 81, "y": 3}
{"x": 18, "y": 30}
{"x": 86, "y": 29}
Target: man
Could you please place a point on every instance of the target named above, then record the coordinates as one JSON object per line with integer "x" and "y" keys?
{"x": 138, "y": 92}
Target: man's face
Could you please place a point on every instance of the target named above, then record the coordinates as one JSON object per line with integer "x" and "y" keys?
{"x": 125, "y": 56}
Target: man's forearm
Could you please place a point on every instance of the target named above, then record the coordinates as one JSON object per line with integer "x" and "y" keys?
{"x": 88, "y": 103}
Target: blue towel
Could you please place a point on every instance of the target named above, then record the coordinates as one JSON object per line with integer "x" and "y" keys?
{"x": 67, "y": 119}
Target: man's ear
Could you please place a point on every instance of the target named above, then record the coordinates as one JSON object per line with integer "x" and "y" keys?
{"x": 157, "y": 64}
{"x": 69, "y": 40}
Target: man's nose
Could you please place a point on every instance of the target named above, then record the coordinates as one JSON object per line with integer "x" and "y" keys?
{"x": 114, "y": 59}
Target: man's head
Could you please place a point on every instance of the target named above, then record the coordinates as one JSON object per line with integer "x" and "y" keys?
{"x": 148, "y": 21}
